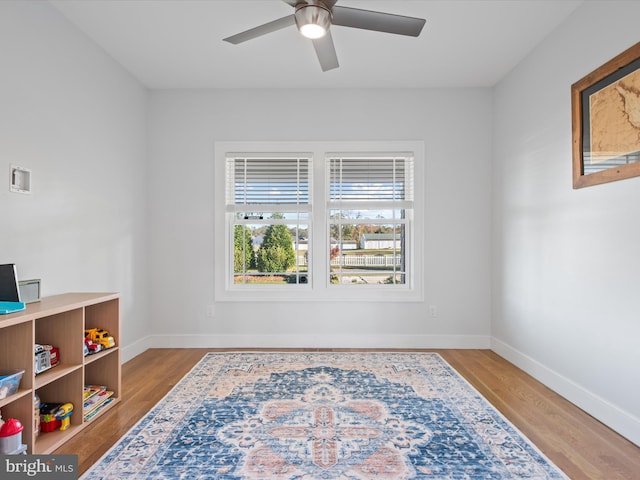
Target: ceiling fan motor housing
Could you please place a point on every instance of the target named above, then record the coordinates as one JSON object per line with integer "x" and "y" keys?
{"x": 313, "y": 18}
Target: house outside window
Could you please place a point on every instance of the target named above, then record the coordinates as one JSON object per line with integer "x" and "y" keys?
{"x": 338, "y": 221}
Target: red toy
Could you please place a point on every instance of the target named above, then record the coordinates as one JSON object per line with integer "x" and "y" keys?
{"x": 91, "y": 346}
{"x": 46, "y": 356}
{"x": 10, "y": 436}
{"x": 48, "y": 420}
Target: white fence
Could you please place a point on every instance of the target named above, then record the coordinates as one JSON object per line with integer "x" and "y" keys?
{"x": 361, "y": 261}
{"x": 366, "y": 261}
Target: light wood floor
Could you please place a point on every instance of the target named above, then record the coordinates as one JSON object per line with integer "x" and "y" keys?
{"x": 577, "y": 443}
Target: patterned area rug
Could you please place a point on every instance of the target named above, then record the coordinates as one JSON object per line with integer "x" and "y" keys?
{"x": 334, "y": 416}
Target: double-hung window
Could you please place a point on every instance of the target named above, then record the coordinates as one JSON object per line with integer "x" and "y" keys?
{"x": 342, "y": 221}
{"x": 370, "y": 211}
{"x": 269, "y": 199}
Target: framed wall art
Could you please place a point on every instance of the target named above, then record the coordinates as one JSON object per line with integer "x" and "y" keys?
{"x": 605, "y": 110}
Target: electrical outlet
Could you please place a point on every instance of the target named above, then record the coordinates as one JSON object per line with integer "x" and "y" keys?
{"x": 433, "y": 311}
{"x": 211, "y": 311}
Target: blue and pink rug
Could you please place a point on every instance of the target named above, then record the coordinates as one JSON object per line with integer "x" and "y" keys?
{"x": 333, "y": 416}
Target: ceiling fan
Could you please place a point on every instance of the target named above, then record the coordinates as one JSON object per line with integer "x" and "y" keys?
{"x": 314, "y": 17}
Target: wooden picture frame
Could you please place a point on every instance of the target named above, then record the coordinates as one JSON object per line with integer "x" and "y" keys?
{"x": 605, "y": 111}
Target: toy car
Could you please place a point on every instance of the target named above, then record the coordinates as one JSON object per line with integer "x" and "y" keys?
{"x": 100, "y": 336}
{"x": 46, "y": 356}
{"x": 90, "y": 346}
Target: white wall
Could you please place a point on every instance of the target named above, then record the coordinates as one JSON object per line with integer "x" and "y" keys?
{"x": 566, "y": 262}
{"x": 75, "y": 118}
{"x": 453, "y": 124}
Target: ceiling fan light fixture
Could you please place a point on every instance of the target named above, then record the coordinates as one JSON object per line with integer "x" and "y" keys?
{"x": 313, "y": 21}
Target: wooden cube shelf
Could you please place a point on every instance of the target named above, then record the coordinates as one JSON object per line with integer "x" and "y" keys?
{"x": 59, "y": 320}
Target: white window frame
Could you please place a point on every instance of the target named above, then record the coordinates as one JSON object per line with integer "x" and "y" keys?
{"x": 319, "y": 287}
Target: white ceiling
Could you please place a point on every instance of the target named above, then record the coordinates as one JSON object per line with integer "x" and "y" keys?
{"x": 178, "y": 43}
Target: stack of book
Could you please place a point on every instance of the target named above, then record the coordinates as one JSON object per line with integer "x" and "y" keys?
{"x": 96, "y": 397}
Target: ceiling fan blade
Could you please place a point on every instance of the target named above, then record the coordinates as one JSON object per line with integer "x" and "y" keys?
{"x": 377, "y": 21}
{"x": 261, "y": 30}
{"x": 291, "y": 2}
{"x": 326, "y": 52}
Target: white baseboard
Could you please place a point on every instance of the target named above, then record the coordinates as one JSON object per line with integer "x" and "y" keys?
{"x": 313, "y": 341}
{"x": 136, "y": 348}
{"x": 615, "y": 418}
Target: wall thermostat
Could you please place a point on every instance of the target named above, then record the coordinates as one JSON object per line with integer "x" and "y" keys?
{"x": 20, "y": 179}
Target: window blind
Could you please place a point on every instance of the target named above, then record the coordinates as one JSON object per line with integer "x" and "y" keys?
{"x": 273, "y": 183}
{"x": 376, "y": 180}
